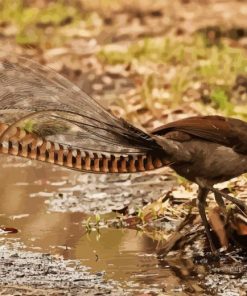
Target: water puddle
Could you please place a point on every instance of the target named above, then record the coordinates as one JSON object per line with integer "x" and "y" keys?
{"x": 47, "y": 206}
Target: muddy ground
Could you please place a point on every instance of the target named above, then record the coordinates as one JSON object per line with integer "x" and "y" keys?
{"x": 53, "y": 253}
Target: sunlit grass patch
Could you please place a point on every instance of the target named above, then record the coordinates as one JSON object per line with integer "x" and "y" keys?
{"x": 222, "y": 101}
{"x": 28, "y": 125}
{"x": 188, "y": 63}
{"x": 30, "y": 21}
{"x": 161, "y": 49}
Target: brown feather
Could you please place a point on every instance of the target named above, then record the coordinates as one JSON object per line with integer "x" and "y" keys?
{"x": 229, "y": 132}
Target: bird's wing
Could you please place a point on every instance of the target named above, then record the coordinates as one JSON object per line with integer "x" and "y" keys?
{"x": 47, "y": 104}
{"x": 229, "y": 132}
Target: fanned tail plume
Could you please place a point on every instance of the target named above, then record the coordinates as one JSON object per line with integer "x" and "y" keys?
{"x": 46, "y": 117}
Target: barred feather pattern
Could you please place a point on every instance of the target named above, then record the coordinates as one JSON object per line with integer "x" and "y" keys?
{"x": 19, "y": 142}
{"x": 66, "y": 126}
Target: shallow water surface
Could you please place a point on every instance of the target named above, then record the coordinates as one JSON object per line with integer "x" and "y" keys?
{"x": 47, "y": 206}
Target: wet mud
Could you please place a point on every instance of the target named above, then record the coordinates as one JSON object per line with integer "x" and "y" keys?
{"x": 52, "y": 252}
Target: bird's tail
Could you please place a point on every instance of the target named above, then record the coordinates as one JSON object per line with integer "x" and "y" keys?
{"x": 19, "y": 142}
{"x": 46, "y": 117}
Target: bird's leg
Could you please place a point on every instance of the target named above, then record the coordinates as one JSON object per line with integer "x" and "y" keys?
{"x": 232, "y": 199}
{"x": 202, "y": 195}
{"x": 220, "y": 201}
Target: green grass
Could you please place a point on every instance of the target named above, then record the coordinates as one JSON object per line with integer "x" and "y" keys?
{"x": 28, "y": 125}
{"x": 194, "y": 61}
{"x": 178, "y": 64}
{"x": 221, "y": 99}
{"x": 30, "y": 22}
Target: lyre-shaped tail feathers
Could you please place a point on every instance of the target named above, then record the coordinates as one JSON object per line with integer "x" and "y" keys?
{"x": 58, "y": 111}
{"x": 19, "y": 142}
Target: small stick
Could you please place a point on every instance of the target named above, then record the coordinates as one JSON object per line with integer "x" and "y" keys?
{"x": 232, "y": 199}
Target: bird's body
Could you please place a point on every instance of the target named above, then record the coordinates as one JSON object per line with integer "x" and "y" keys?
{"x": 70, "y": 129}
{"x": 206, "y": 150}
{"x": 211, "y": 162}
{"x": 210, "y": 149}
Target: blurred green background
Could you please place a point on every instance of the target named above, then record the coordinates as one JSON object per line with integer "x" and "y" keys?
{"x": 151, "y": 61}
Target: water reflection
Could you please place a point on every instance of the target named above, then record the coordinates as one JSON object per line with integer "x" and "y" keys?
{"x": 125, "y": 255}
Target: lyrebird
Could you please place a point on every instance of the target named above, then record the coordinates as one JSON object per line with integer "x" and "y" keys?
{"x": 45, "y": 117}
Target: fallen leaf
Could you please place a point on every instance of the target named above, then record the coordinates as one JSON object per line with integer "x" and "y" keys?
{"x": 218, "y": 225}
{"x": 9, "y": 229}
